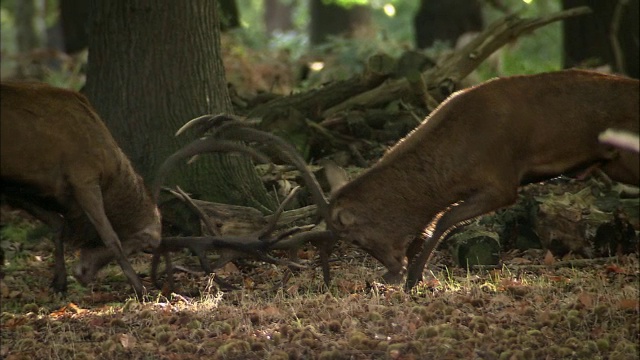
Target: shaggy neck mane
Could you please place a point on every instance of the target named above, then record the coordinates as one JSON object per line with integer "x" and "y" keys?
{"x": 127, "y": 188}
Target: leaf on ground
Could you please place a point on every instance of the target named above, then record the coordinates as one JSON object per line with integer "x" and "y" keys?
{"x": 60, "y": 312}
{"x": 431, "y": 283}
{"x": 127, "y": 341}
{"x": 228, "y": 269}
{"x": 306, "y": 254}
{"x": 14, "y": 322}
{"x": 510, "y": 282}
{"x": 586, "y": 299}
{"x": 629, "y": 304}
{"x": 558, "y": 278}
{"x": 76, "y": 309}
{"x": 249, "y": 283}
{"x": 347, "y": 286}
{"x": 615, "y": 269}
{"x": 520, "y": 261}
{"x": 270, "y": 311}
{"x": 97, "y": 321}
{"x": 549, "y": 259}
{"x": 293, "y": 289}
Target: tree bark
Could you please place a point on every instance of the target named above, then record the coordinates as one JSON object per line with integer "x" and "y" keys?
{"x": 73, "y": 19}
{"x": 278, "y": 16}
{"x": 446, "y": 20}
{"x": 29, "y": 29}
{"x": 230, "y": 16}
{"x": 608, "y": 36}
{"x": 152, "y": 67}
{"x": 331, "y": 19}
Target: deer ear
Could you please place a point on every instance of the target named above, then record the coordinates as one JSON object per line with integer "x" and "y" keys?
{"x": 336, "y": 176}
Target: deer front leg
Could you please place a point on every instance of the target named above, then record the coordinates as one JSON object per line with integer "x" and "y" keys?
{"x": 473, "y": 206}
{"x": 90, "y": 200}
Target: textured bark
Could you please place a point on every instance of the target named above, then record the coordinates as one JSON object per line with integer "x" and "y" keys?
{"x": 73, "y": 19}
{"x": 278, "y": 15}
{"x": 29, "y": 30}
{"x": 154, "y": 65}
{"x": 330, "y": 19}
{"x": 446, "y": 20}
{"x": 608, "y": 36}
{"x": 229, "y": 15}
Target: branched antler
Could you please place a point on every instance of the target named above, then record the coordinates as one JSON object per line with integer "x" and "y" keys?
{"x": 253, "y": 245}
{"x": 199, "y": 146}
{"x": 231, "y": 126}
{"x": 257, "y": 244}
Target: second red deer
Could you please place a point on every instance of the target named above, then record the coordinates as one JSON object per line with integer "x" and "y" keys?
{"x": 58, "y": 157}
{"x": 472, "y": 153}
{"x": 469, "y": 157}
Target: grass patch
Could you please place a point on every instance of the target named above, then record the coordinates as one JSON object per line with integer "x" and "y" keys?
{"x": 512, "y": 312}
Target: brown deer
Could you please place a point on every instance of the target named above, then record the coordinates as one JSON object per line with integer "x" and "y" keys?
{"x": 58, "y": 156}
{"x": 469, "y": 157}
{"x": 472, "y": 153}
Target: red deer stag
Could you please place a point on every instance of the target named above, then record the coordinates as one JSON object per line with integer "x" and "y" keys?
{"x": 58, "y": 156}
{"x": 470, "y": 156}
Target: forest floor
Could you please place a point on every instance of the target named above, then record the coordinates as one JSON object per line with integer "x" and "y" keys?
{"x": 530, "y": 308}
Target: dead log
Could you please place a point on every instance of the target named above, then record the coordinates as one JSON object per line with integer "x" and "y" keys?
{"x": 460, "y": 64}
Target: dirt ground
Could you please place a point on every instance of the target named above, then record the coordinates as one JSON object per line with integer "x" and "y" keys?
{"x": 533, "y": 307}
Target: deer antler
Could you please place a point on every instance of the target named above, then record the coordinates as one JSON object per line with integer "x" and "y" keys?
{"x": 199, "y": 146}
{"x": 235, "y": 128}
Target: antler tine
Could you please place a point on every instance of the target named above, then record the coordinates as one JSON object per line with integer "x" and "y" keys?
{"x": 203, "y": 123}
{"x": 235, "y": 125}
{"x": 240, "y": 131}
{"x": 199, "y": 146}
{"x": 323, "y": 240}
{"x": 273, "y": 221}
{"x": 247, "y": 244}
{"x": 180, "y": 194}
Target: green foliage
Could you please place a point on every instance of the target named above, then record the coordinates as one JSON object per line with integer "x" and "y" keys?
{"x": 537, "y": 52}
{"x": 19, "y": 232}
{"x": 344, "y": 58}
{"x": 7, "y": 39}
{"x": 347, "y": 3}
{"x": 17, "y": 237}
{"x": 393, "y": 22}
{"x": 399, "y": 27}
{"x": 533, "y": 53}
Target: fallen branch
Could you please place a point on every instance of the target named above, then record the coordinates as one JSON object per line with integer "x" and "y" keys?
{"x": 459, "y": 64}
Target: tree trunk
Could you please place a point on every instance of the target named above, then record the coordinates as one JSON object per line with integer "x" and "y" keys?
{"x": 73, "y": 19}
{"x": 229, "y": 15}
{"x": 592, "y": 40}
{"x": 446, "y": 20}
{"x": 278, "y": 15}
{"x": 29, "y": 22}
{"x": 152, "y": 67}
{"x": 335, "y": 20}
